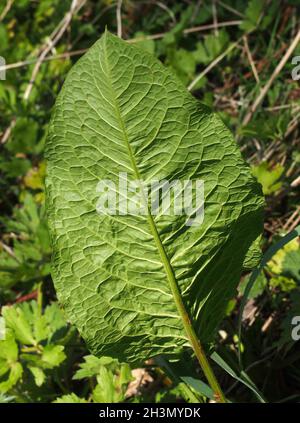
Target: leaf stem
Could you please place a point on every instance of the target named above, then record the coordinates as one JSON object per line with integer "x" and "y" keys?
{"x": 187, "y": 324}
{"x": 204, "y": 363}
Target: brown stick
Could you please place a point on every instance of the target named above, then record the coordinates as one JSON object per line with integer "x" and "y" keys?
{"x": 276, "y": 72}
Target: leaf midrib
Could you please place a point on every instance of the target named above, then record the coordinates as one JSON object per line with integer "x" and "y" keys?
{"x": 175, "y": 290}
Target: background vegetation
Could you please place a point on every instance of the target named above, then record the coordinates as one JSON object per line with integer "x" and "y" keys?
{"x": 236, "y": 57}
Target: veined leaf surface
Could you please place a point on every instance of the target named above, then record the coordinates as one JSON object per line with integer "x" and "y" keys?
{"x": 120, "y": 110}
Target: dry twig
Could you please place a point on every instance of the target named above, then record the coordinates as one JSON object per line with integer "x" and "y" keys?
{"x": 251, "y": 61}
{"x": 276, "y": 72}
{"x": 133, "y": 40}
{"x": 56, "y": 34}
{"x": 119, "y": 18}
{"x": 213, "y": 64}
{"x": 6, "y": 9}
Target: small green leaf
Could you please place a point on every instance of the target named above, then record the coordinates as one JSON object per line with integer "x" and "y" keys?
{"x": 143, "y": 43}
{"x": 70, "y": 398}
{"x": 111, "y": 385}
{"x": 9, "y": 348}
{"x": 291, "y": 265}
{"x": 15, "y": 374}
{"x": 15, "y": 319}
{"x": 212, "y": 46}
{"x": 38, "y": 374}
{"x": 253, "y": 13}
{"x": 268, "y": 178}
{"x": 30, "y": 326}
{"x": 92, "y": 365}
{"x": 184, "y": 64}
{"x": 53, "y": 355}
{"x": 10, "y": 369}
{"x": 258, "y": 287}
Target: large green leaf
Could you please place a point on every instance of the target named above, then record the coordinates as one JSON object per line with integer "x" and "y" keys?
{"x": 121, "y": 278}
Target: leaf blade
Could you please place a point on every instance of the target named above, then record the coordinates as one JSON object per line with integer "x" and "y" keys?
{"x": 118, "y": 111}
